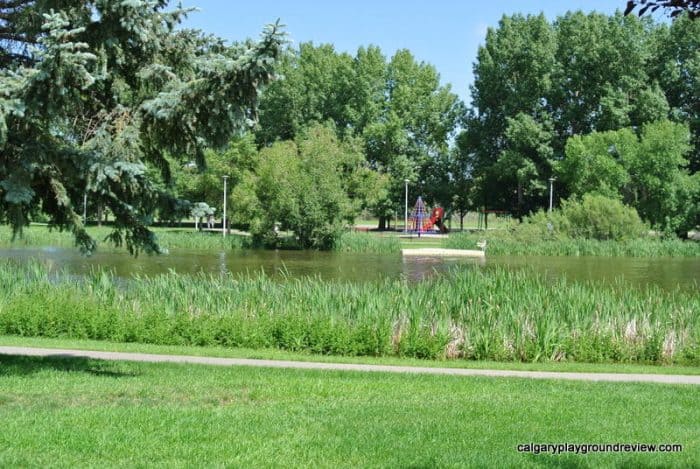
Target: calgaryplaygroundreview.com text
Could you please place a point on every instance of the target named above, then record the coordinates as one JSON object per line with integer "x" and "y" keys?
{"x": 585, "y": 448}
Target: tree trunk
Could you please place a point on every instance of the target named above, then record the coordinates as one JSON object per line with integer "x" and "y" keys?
{"x": 461, "y": 220}
{"x": 100, "y": 211}
{"x": 381, "y": 226}
{"x": 520, "y": 201}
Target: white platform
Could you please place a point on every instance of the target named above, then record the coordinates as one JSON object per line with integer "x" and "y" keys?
{"x": 439, "y": 252}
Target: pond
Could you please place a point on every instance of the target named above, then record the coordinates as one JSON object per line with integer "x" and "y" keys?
{"x": 667, "y": 273}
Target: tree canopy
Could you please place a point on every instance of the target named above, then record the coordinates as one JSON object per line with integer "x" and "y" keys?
{"x": 110, "y": 100}
{"x": 312, "y": 186}
{"x": 570, "y": 97}
{"x": 96, "y": 91}
{"x": 398, "y": 107}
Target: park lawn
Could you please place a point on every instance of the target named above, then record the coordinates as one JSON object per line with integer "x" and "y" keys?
{"x": 276, "y": 354}
{"x": 68, "y": 412}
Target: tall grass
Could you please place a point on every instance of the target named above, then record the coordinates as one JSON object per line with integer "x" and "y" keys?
{"x": 503, "y": 243}
{"x": 470, "y": 313}
{"x": 368, "y": 243}
{"x": 499, "y": 242}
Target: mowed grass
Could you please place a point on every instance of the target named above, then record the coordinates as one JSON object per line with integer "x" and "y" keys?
{"x": 63, "y": 412}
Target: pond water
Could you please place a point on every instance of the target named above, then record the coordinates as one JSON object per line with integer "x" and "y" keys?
{"x": 668, "y": 273}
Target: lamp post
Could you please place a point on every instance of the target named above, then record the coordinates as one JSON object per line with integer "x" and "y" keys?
{"x": 551, "y": 193}
{"x": 85, "y": 208}
{"x": 405, "y": 213}
{"x": 224, "y": 222}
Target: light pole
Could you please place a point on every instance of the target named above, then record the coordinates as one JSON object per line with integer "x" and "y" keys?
{"x": 405, "y": 213}
{"x": 224, "y": 222}
{"x": 551, "y": 193}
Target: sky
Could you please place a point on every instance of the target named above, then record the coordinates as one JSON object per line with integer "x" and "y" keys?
{"x": 444, "y": 33}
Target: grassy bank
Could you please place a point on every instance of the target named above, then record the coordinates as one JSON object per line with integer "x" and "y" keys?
{"x": 499, "y": 243}
{"x": 169, "y": 238}
{"x": 503, "y": 243}
{"x": 476, "y": 314}
{"x": 368, "y": 243}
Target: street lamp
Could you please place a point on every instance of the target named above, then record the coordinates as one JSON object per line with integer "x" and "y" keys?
{"x": 551, "y": 193}
{"x": 224, "y": 227}
{"x": 85, "y": 208}
{"x": 405, "y": 213}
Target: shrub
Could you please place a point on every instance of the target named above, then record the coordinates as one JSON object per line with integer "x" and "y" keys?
{"x": 594, "y": 217}
{"x": 600, "y": 217}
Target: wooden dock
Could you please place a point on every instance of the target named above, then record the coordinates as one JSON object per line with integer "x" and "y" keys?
{"x": 440, "y": 252}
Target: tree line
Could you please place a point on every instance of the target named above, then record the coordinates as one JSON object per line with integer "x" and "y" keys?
{"x": 558, "y": 99}
{"x": 112, "y": 100}
{"x": 605, "y": 105}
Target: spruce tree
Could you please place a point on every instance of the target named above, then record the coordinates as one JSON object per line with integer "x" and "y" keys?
{"x": 93, "y": 91}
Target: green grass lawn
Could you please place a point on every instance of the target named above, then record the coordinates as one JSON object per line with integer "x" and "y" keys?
{"x": 64, "y": 412}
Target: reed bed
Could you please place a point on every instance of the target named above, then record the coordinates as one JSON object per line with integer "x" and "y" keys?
{"x": 470, "y": 313}
{"x": 503, "y": 243}
{"x": 368, "y": 243}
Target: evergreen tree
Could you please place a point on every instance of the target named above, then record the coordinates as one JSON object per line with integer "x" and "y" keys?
{"x": 91, "y": 91}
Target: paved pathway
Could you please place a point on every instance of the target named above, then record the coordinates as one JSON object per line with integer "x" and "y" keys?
{"x": 148, "y": 357}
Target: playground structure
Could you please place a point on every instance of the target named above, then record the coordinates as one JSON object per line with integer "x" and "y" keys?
{"x": 420, "y": 222}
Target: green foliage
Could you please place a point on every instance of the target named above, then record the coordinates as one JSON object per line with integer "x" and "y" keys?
{"x": 599, "y": 217}
{"x": 537, "y": 240}
{"x": 581, "y": 80}
{"x": 647, "y": 172}
{"x": 368, "y": 243}
{"x": 490, "y": 314}
{"x": 397, "y": 108}
{"x": 306, "y": 186}
{"x": 526, "y": 160}
{"x": 594, "y": 217}
{"x": 512, "y": 73}
{"x": 659, "y": 175}
{"x": 206, "y": 184}
{"x": 675, "y": 67}
{"x": 111, "y": 91}
{"x": 595, "y": 163}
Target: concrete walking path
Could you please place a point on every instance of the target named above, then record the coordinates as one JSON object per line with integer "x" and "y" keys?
{"x": 156, "y": 358}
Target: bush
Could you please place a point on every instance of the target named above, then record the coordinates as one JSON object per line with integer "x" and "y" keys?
{"x": 594, "y": 217}
{"x": 299, "y": 186}
{"x": 599, "y": 217}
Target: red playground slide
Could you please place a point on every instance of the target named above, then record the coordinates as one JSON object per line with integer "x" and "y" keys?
{"x": 436, "y": 217}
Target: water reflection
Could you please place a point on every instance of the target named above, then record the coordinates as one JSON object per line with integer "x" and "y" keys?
{"x": 666, "y": 272}
{"x": 223, "y": 268}
{"x": 420, "y": 268}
